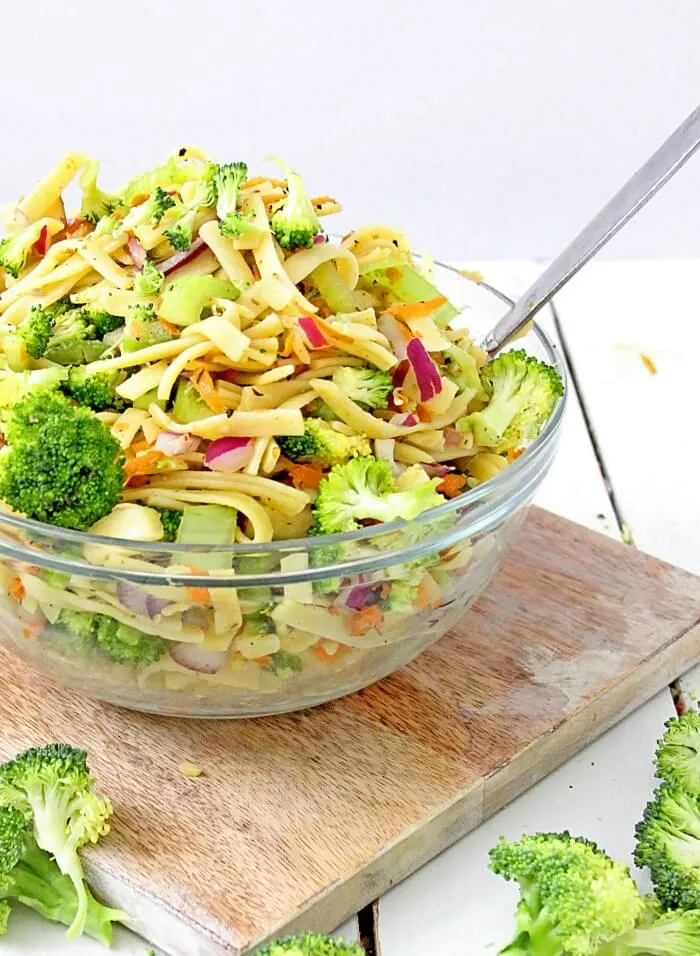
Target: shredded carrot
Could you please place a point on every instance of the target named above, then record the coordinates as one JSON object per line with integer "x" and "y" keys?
{"x": 322, "y": 200}
{"x": 138, "y": 446}
{"x": 16, "y": 589}
{"x": 424, "y": 596}
{"x": 649, "y": 363}
{"x": 394, "y": 273}
{"x": 32, "y": 630}
{"x": 423, "y": 414}
{"x": 205, "y": 386}
{"x": 452, "y": 485}
{"x": 365, "y": 620}
{"x": 144, "y": 464}
{"x": 415, "y": 310}
{"x": 137, "y": 481}
{"x": 265, "y": 659}
{"x": 170, "y": 328}
{"x": 322, "y": 654}
{"x": 306, "y": 476}
{"x": 196, "y": 594}
{"x": 514, "y": 453}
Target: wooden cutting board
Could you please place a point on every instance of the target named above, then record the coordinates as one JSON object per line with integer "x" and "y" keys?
{"x": 302, "y": 819}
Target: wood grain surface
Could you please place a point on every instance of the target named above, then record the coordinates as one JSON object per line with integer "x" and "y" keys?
{"x": 299, "y": 820}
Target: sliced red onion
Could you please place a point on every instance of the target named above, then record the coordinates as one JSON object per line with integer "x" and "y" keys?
{"x": 356, "y": 597}
{"x": 229, "y": 454}
{"x": 425, "y": 370}
{"x": 320, "y": 239}
{"x": 404, "y": 419}
{"x": 436, "y": 470}
{"x": 182, "y": 258}
{"x": 314, "y": 336}
{"x": 136, "y": 251}
{"x": 138, "y": 601}
{"x": 172, "y": 444}
{"x": 399, "y": 373}
{"x": 194, "y": 658}
{"x": 41, "y": 246}
{"x": 395, "y": 332}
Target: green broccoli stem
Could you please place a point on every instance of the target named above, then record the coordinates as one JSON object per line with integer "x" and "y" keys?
{"x": 37, "y": 883}
{"x": 70, "y": 866}
{"x": 332, "y": 287}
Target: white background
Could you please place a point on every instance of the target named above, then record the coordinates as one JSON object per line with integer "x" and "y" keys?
{"x": 487, "y": 128}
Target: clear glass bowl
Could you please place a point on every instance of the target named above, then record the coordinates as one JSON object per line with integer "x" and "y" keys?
{"x": 460, "y": 544}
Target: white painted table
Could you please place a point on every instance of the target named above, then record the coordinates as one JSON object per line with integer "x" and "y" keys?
{"x": 633, "y": 457}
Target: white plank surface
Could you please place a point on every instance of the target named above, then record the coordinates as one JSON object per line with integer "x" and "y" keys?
{"x": 646, "y": 425}
{"x": 455, "y": 906}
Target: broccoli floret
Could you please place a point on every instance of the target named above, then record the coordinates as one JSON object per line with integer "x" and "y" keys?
{"x": 322, "y": 445}
{"x": 668, "y": 843}
{"x": 102, "y": 322}
{"x": 206, "y": 192}
{"x": 63, "y": 466}
{"x": 670, "y": 934}
{"x": 61, "y": 333}
{"x": 369, "y": 387}
{"x": 156, "y": 206}
{"x": 171, "y": 522}
{"x": 95, "y": 203}
{"x": 126, "y": 644}
{"x": 310, "y": 944}
{"x": 143, "y": 328}
{"x": 296, "y": 223}
{"x": 365, "y": 488}
{"x": 95, "y": 390}
{"x": 53, "y": 786}
{"x": 521, "y": 395}
{"x": 259, "y": 622}
{"x": 15, "y": 251}
{"x": 678, "y": 753}
{"x": 324, "y": 556}
{"x": 180, "y": 234}
{"x": 227, "y": 179}
{"x": 29, "y": 875}
{"x": 149, "y": 280}
{"x": 14, "y": 386}
{"x": 80, "y": 625}
{"x": 35, "y": 330}
{"x": 402, "y": 595}
{"x": 283, "y": 664}
{"x": 574, "y": 898}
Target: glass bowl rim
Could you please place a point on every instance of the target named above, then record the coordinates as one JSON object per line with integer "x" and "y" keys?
{"x": 469, "y": 498}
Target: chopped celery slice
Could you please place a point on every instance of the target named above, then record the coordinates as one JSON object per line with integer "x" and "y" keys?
{"x": 208, "y": 524}
{"x": 408, "y": 285}
{"x": 188, "y": 406}
{"x": 184, "y": 299}
{"x": 149, "y": 398}
{"x": 333, "y": 288}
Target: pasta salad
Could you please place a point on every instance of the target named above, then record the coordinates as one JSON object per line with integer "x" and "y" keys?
{"x": 194, "y": 360}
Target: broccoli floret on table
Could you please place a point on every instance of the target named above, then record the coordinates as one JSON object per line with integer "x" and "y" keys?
{"x": 521, "y": 394}
{"x": 668, "y": 843}
{"x": 678, "y": 752}
{"x": 62, "y": 465}
{"x": 52, "y": 787}
{"x": 310, "y": 944}
{"x": 323, "y": 445}
{"x": 31, "y": 876}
